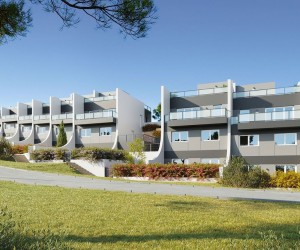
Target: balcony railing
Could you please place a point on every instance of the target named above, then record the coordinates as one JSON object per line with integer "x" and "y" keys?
{"x": 270, "y": 116}
{"x": 62, "y": 116}
{"x": 199, "y": 92}
{"x": 97, "y": 115}
{"x": 10, "y": 117}
{"x": 100, "y": 98}
{"x": 41, "y": 117}
{"x": 265, "y": 92}
{"x": 25, "y": 117}
{"x": 197, "y": 114}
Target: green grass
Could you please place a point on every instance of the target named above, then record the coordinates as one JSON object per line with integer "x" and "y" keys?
{"x": 59, "y": 168}
{"x": 114, "y": 220}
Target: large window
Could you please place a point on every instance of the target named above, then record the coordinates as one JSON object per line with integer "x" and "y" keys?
{"x": 285, "y": 139}
{"x": 85, "y": 132}
{"x": 249, "y": 140}
{"x": 42, "y": 130}
{"x": 286, "y": 168}
{"x": 180, "y": 136}
{"x": 105, "y": 131}
{"x": 210, "y": 135}
{"x": 210, "y": 160}
{"x": 26, "y": 128}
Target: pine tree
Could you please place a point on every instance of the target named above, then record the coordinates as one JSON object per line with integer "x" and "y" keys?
{"x": 62, "y": 136}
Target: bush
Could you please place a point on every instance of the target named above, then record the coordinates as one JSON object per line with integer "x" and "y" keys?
{"x": 49, "y": 154}
{"x": 150, "y": 127}
{"x": 95, "y": 154}
{"x": 15, "y": 235}
{"x": 20, "y": 149}
{"x": 286, "y": 180}
{"x": 156, "y": 133}
{"x": 6, "y": 151}
{"x": 155, "y": 171}
{"x": 239, "y": 174}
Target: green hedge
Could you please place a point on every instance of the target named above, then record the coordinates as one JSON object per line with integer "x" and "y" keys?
{"x": 49, "y": 154}
{"x": 95, "y": 154}
{"x": 155, "y": 171}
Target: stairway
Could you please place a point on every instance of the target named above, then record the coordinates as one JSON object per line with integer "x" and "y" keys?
{"x": 20, "y": 158}
{"x": 79, "y": 169}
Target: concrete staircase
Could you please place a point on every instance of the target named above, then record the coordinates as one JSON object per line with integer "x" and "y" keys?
{"x": 79, "y": 169}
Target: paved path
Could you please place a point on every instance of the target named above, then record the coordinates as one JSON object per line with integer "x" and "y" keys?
{"x": 47, "y": 179}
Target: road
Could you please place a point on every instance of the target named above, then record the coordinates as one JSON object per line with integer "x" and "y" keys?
{"x": 48, "y": 179}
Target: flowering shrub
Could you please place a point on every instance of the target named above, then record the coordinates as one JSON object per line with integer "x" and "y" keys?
{"x": 94, "y": 154}
{"x": 20, "y": 149}
{"x": 286, "y": 180}
{"x": 155, "y": 171}
{"x": 49, "y": 154}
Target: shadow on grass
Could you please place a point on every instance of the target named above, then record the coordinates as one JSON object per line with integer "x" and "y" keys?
{"x": 289, "y": 232}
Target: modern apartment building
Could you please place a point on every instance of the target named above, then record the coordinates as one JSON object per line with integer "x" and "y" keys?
{"x": 218, "y": 120}
{"x": 98, "y": 119}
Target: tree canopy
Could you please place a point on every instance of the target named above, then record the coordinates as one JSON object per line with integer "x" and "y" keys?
{"x": 157, "y": 112}
{"x": 133, "y": 17}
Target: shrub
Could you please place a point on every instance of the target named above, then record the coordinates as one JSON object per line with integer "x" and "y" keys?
{"x": 155, "y": 171}
{"x": 137, "y": 149}
{"x": 286, "y": 180}
{"x": 20, "y": 149}
{"x": 239, "y": 174}
{"x": 6, "y": 151}
{"x": 150, "y": 127}
{"x": 95, "y": 154}
{"x": 62, "y": 136}
{"x": 49, "y": 154}
{"x": 156, "y": 133}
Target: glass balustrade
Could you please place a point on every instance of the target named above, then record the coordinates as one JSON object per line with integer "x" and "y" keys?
{"x": 96, "y": 115}
{"x": 199, "y": 92}
{"x": 206, "y": 113}
{"x": 62, "y": 116}
{"x": 270, "y": 116}
{"x": 266, "y": 92}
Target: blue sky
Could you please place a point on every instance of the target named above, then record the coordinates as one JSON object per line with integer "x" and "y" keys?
{"x": 192, "y": 42}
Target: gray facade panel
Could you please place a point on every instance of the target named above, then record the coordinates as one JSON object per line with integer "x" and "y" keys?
{"x": 277, "y": 159}
{"x": 269, "y": 124}
{"x": 198, "y": 101}
{"x": 195, "y": 154}
{"x": 96, "y": 106}
{"x": 197, "y": 122}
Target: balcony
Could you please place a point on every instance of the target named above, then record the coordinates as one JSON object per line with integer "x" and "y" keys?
{"x": 8, "y": 118}
{"x": 197, "y": 117}
{"x": 62, "y": 116}
{"x": 268, "y": 120}
{"x": 100, "y": 98}
{"x": 267, "y": 92}
{"x": 41, "y": 117}
{"x": 105, "y": 116}
{"x": 199, "y": 92}
{"x": 25, "y": 117}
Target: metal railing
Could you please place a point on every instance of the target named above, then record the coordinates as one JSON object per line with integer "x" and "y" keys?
{"x": 264, "y": 92}
{"x": 270, "y": 116}
{"x": 96, "y": 115}
{"x": 41, "y": 117}
{"x": 25, "y": 117}
{"x": 62, "y": 116}
{"x": 10, "y": 117}
{"x": 197, "y": 114}
{"x": 151, "y": 147}
{"x": 100, "y": 98}
{"x": 199, "y": 92}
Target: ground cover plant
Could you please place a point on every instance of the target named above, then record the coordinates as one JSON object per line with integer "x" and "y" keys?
{"x": 94, "y": 219}
{"x": 156, "y": 171}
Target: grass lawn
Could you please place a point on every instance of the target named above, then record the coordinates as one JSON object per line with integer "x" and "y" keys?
{"x": 114, "y": 220}
{"x": 59, "y": 168}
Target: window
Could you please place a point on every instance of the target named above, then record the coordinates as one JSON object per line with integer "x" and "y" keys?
{"x": 180, "y": 161}
{"x": 105, "y": 131}
{"x": 285, "y": 139}
{"x": 180, "y": 136}
{"x": 9, "y": 125}
{"x": 26, "y": 128}
{"x": 249, "y": 140}
{"x": 286, "y": 168}
{"x": 85, "y": 132}
{"x": 41, "y": 130}
{"x": 210, "y": 160}
{"x": 210, "y": 135}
